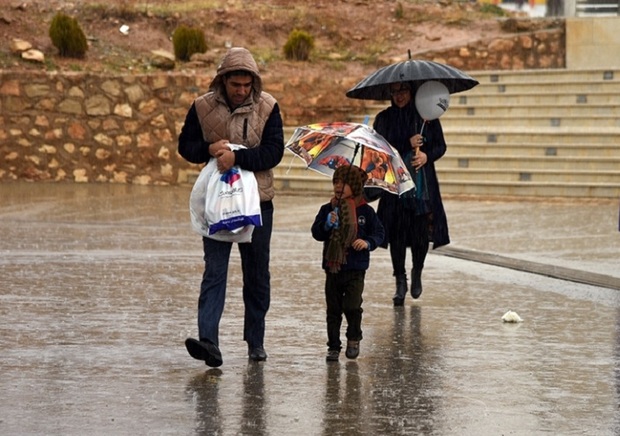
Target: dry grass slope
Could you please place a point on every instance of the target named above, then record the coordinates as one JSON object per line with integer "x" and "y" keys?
{"x": 347, "y": 32}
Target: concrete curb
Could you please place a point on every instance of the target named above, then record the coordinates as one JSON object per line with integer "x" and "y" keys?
{"x": 553, "y": 271}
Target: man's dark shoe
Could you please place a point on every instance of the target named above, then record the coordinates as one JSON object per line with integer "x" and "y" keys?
{"x": 332, "y": 355}
{"x": 353, "y": 349}
{"x": 257, "y": 354}
{"x": 416, "y": 283}
{"x": 203, "y": 350}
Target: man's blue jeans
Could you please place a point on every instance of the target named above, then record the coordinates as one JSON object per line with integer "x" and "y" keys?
{"x": 256, "y": 284}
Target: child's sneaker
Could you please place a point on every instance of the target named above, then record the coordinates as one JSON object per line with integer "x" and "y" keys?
{"x": 353, "y": 349}
{"x": 332, "y": 355}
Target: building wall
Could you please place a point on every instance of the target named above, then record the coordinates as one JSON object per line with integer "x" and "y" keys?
{"x": 592, "y": 42}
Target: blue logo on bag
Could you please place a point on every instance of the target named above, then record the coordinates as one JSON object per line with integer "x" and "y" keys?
{"x": 230, "y": 176}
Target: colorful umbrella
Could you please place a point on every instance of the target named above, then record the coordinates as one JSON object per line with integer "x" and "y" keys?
{"x": 326, "y": 146}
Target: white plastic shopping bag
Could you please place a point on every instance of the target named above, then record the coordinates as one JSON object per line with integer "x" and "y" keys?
{"x": 225, "y": 206}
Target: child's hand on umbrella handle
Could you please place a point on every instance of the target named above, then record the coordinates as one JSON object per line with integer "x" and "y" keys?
{"x": 336, "y": 220}
{"x": 332, "y": 219}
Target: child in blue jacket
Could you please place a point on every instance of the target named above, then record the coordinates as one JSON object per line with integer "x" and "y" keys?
{"x": 349, "y": 229}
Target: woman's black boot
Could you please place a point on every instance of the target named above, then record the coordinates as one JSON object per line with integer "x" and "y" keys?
{"x": 401, "y": 290}
{"x": 416, "y": 283}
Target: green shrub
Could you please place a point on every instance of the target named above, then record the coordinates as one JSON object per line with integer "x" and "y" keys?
{"x": 298, "y": 46}
{"x": 67, "y": 36}
{"x": 487, "y": 8}
{"x": 399, "y": 12}
{"x": 187, "y": 41}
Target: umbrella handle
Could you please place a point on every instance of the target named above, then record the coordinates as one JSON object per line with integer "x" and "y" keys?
{"x": 423, "y": 125}
{"x": 417, "y": 149}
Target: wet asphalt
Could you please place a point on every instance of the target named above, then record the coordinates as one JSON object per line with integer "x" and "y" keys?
{"x": 99, "y": 288}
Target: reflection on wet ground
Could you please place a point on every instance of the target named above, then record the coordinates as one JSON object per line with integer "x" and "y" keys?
{"x": 99, "y": 289}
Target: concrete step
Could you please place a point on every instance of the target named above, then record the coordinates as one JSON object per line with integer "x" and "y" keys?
{"x": 523, "y": 135}
{"x": 527, "y": 189}
{"x": 557, "y": 148}
{"x": 542, "y": 110}
{"x": 534, "y": 98}
{"x": 527, "y": 163}
{"x": 596, "y": 176}
{"x": 546, "y": 76}
{"x": 558, "y": 87}
{"x": 551, "y": 119}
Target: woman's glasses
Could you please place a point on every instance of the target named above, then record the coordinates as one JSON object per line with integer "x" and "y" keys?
{"x": 399, "y": 91}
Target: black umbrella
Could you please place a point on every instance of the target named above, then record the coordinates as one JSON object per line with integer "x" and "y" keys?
{"x": 377, "y": 85}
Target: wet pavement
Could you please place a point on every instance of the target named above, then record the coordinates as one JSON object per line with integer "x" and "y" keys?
{"x": 99, "y": 287}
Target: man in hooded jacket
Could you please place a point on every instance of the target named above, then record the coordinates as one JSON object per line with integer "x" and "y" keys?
{"x": 235, "y": 110}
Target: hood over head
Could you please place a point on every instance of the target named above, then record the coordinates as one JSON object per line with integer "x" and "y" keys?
{"x": 238, "y": 59}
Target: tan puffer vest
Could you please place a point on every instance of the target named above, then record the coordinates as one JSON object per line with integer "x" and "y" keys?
{"x": 244, "y": 126}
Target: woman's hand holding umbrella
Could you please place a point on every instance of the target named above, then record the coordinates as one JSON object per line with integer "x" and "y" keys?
{"x": 419, "y": 158}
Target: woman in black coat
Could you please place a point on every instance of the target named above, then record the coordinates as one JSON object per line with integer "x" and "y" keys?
{"x": 414, "y": 218}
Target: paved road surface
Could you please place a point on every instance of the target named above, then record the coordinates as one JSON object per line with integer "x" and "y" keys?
{"x": 99, "y": 286}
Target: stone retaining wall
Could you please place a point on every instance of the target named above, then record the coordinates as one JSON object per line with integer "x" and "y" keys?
{"x": 82, "y": 127}
{"x": 94, "y": 128}
{"x": 522, "y": 51}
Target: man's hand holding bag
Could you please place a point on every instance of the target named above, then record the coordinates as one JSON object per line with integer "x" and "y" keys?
{"x": 225, "y": 206}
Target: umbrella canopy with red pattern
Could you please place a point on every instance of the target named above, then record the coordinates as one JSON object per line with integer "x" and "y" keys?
{"x": 326, "y": 146}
